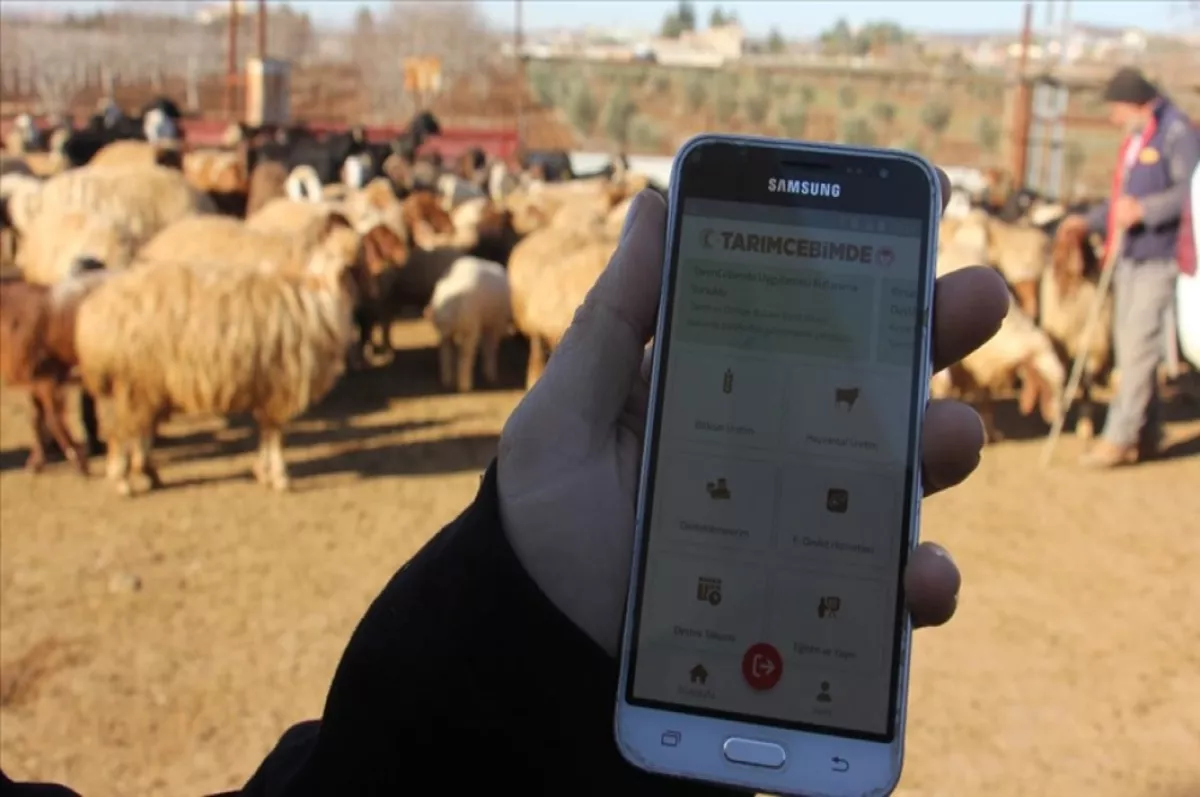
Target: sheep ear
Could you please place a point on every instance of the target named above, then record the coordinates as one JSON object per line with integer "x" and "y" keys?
{"x": 335, "y": 220}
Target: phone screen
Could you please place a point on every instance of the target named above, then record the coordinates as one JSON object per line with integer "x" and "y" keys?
{"x": 777, "y": 511}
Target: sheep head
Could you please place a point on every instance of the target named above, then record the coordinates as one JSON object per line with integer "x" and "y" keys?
{"x": 423, "y": 214}
{"x": 337, "y": 251}
{"x": 382, "y": 250}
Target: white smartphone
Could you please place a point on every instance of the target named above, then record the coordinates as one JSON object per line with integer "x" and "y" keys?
{"x": 766, "y": 643}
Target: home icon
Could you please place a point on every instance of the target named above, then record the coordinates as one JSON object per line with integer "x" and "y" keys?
{"x": 699, "y": 675}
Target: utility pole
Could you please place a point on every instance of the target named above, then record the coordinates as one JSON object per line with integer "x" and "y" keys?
{"x": 231, "y": 63}
{"x": 260, "y": 29}
{"x": 522, "y": 83}
{"x": 1020, "y": 140}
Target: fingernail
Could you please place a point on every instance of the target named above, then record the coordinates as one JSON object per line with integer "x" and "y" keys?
{"x": 942, "y": 552}
{"x": 631, "y": 215}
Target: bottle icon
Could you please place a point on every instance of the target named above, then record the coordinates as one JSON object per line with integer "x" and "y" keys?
{"x": 727, "y": 382}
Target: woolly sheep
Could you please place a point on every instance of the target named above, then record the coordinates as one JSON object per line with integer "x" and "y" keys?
{"x": 57, "y": 239}
{"x": 267, "y": 182}
{"x": 145, "y": 198}
{"x": 266, "y": 342}
{"x": 472, "y": 312}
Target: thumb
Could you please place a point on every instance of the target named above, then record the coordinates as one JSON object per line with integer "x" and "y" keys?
{"x": 591, "y": 373}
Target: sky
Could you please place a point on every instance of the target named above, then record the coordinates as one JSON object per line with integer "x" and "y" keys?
{"x": 795, "y": 18}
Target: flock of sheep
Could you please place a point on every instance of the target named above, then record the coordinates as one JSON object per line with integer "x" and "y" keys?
{"x": 133, "y": 279}
{"x": 137, "y": 276}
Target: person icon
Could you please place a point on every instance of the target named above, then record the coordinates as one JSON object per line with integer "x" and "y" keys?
{"x": 824, "y": 697}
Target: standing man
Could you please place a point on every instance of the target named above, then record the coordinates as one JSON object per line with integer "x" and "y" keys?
{"x": 1153, "y": 175}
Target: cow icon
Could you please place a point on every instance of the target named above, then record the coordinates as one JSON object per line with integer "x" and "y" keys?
{"x": 885, "y": 256}
{"x": 845, "y": 396}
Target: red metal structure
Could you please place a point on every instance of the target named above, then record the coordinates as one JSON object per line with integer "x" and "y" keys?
{"x": 496, "y": 142}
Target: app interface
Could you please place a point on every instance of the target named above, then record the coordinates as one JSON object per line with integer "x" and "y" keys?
{"x": 778, "y": 505}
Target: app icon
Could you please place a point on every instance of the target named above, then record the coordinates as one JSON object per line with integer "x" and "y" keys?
{"x": 727, "y": 381}
{"x": 719, "y": 490}
{"x": 709, "y": 590}
{"x": 837, "y": 500}
{"x": 698, "y": 675}
{"x": 885, "y": 256}
{"x": 845, "y": 397}
{"x": 827, "y": 607}
{"x": 762, "y": 666}
{"x": 824, "y": 696}
{"x": 706, "y": 237}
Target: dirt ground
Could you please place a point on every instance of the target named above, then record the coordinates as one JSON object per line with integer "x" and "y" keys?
{"x": 160, "y": 645}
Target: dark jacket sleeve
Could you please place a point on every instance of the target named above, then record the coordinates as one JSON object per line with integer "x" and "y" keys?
{"x": 1181, "y": 148}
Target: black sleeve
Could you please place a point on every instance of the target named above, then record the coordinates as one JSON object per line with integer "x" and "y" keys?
{"x": 463, "y": 674}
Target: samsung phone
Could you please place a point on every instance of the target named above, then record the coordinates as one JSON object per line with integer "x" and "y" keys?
{"x": 767, "y": 644}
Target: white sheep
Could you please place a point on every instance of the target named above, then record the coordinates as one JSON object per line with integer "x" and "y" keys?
{"x": 206, "y": 338}
{"x": 472, "y": 311}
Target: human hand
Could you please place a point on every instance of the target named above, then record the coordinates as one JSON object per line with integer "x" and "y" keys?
{"x": 1127, "y": 212}
{"x": 570, "y": 452}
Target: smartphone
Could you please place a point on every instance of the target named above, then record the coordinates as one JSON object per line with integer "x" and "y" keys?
{"x": 766, "y": 643}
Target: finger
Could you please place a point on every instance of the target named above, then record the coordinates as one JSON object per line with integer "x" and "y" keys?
{"x": 592, "y": 371}
{"x": 951, "y": 443}
{"x": 968, "y": 307}
{"x": 946, "y": 187}
{"x": 931, "y": 584}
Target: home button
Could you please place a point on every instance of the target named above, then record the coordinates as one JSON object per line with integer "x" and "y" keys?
{"x": 754, "y": 753}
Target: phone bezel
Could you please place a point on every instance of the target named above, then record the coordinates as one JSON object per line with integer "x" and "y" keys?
{"x": 735, "y": 170}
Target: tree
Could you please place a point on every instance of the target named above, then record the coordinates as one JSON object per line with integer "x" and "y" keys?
{"x": 775, "y": 41}
{"x": 987, "y": 132}
{"x": 696, "y": 93}
{"x": 617, "y": 114}
{"x": 846, "y": 97}
{"x": 857, "y": 132}
{"x": 794, "y": 121}
{"x": 581, "y": 109}
{"x": 936, "y": 115}
{"x": 755, "y": 108}
{"x": 364, "y": 22}
{"x": 884, "y": 113}
{"x": 719, "y": 18}
{"x": 660, "y": 83}
{"x": 683, "y": 18}
{"x": 807, "y": 94}
{"x": 644, "y": 134}
{"x": 724, "y": 106}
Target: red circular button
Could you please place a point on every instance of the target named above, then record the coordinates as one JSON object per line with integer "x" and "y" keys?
{"x": 762, "y": 666}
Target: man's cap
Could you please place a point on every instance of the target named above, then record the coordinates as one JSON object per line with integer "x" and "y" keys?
{"x": 1130, "y": 85}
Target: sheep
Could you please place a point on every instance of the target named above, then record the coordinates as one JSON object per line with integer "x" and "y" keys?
{"x": 1066, "y": 294}
{"x": 37, "y": 351}
{"x": 1019, "y": 252}
{"x": 455, "y": 190}
{"x": 1019, "y": 348}
{"x": 57, "y": 239}
{"x": 472, "y": 312}
{"x": 412, "y": 283}
{"x": 229, "y": 242}
{"x": 134, "y": 152}
{"x": 303, "y": 184}
{"x": 267, "y": 181}
{"x": 548, "y": 309}
{"x": 265, "y": 341}
{"x": 20, "y": 197}
{"x": 222, "y": 175}
{"x": 144, "y": 198}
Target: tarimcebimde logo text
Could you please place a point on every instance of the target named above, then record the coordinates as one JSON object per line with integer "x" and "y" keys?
{"x": 808, "y": 248}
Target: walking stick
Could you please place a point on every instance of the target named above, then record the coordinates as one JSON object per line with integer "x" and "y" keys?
{"x": 1067, "y": 396}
